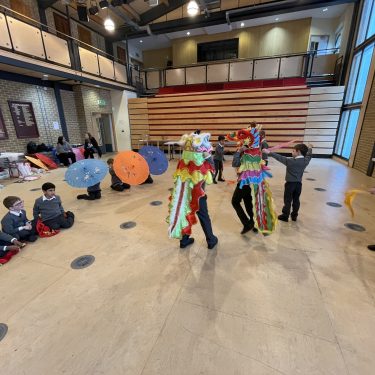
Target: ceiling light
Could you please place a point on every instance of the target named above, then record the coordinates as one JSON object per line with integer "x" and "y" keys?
{"x": 103, "y": 4}
{"x": 277, "y": 18}
{"x": 242, "y": 24}
{"x": 192, "y": 8}
{"x": 94, "y": 10}
{"x": 325, "y": 9}
{"x": 188, "y": 33}
{"x": 141, "y": 41}
{"x": 109, "y": 24}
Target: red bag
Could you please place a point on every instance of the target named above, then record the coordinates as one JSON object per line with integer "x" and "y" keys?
{"x": 45, "y": 231}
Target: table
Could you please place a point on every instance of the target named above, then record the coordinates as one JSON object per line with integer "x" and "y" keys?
{"x": 12, "y": 156}
{"x": 171, "y": 145}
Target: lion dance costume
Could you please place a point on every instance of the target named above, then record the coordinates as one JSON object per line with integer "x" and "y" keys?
{"x": 253, "y": 172}
{"x": 193, "y": 172}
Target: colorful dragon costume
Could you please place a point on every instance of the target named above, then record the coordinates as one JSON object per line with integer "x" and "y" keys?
{"x": 193, "y": 171}
{"x": 253, "y": 172}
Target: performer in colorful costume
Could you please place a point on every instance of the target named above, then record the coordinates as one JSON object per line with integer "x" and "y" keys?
{"x": 252, "y": 186}
{"x": 188, "y": 197}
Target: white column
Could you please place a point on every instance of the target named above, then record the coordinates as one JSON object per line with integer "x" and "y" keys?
{"x": 121, "y": 118}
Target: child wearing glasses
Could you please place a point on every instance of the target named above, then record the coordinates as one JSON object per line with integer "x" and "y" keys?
{"x": 15, "y": 222}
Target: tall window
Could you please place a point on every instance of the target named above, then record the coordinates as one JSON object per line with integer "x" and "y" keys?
{"x": 359, "y": 71}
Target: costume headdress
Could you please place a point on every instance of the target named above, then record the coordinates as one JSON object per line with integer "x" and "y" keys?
{"x": 193, "y": 171}
{"x": 253, "y": 172}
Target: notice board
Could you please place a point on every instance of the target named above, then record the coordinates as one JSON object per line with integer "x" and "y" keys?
{"x": 24, "y": 119}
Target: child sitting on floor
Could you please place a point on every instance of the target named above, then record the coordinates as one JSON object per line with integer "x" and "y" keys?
{"x": 15, "y": 222}
{"x": 9, "y": 246}
{"x": 50, "y": 210}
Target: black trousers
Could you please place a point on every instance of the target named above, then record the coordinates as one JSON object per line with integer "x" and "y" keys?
{"x": 64, "y": 158}
{"x": 4, "y": 243}
{"x": 218, "y": 169}
{"x": 205, "y": 221}
{"x": 244, "y": 195}
{"x": 61, "y": 221}
{"x": 90, "y": 196}
{"x": 120, "y": 187}
{"x": 88, "y": 153}
{"x": 292, "y": 193}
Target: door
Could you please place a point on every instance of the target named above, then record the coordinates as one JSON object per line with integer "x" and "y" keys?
{"x": 84, "y": 35}
{"x": 121, "y": 55}
{"x": 62, "y": 25}
{"x": 107, "y": 133}
{"x": 103, "y": 132}
{"x": 319, "y": 43}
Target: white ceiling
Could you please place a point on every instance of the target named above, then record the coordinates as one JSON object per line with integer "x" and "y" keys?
{"x": 164, "y": 41}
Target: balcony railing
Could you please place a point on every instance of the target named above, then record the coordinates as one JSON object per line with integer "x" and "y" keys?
{"x": 308, "y": 64}
{"x": 25, "y": 36}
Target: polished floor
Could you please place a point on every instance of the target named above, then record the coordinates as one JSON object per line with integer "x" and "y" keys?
{"x": 301, "y": 301}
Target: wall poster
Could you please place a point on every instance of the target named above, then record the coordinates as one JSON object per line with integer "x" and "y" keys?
{"x": 3, "y": 130}
{"x": 23, "y": 119}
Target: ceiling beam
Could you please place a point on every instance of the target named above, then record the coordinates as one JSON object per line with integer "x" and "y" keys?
{"x": 160, "y": 10}
{"x": 44, "y": 4}
{"x": 256, "y": 11}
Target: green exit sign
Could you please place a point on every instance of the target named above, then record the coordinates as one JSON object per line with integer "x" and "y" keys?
{"x": 102, "y": 103}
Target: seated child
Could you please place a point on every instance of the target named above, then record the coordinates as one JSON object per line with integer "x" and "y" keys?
{"x": 9, "y": 246}
{"x": 15, "y": 222}
{"x": 148, "y": 180}
{"x": 117, "y": 184}
{"x": 49, "y": 208}
{"x": 93, "y": 192}
{"x": 295, "y": 166}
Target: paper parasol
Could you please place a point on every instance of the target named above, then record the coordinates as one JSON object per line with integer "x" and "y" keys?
{"x": 78, "y": 153}
{"x": 349, "y": 198}
{"x": 85, "y": 173}
{"x": 36, "y": 162}
{"x": 131, "y": 167}
{"x": 47, "y": 161}
{"x": 156, "y": 160}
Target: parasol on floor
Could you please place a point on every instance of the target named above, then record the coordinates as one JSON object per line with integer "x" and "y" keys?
{"x": 85, "y": 173}
{"x": 37, "y": 162}
{"x": 47, "y": 161}
{"x": 131, "y": 167}
{"x": 156, "y": 160}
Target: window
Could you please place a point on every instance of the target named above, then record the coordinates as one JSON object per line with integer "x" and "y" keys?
{"x": 84, "y": 35}
{"x": 367, "y": 21}
{"x": 359, "y": 71}
{"x": 121, "y": 54}
{"x": 62, "y": 25}
{"x": 219, "y": 50}
{"x": 20, "y": 7}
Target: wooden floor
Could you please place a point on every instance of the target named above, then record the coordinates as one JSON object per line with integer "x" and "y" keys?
{"x": 301, "y": 301}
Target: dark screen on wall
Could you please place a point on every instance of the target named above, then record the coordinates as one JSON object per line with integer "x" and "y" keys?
{"x": 219, "y": 50}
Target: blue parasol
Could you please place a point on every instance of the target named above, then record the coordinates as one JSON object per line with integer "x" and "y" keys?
{"x": 85, "y": 173}
{"x": 156, "y": 160}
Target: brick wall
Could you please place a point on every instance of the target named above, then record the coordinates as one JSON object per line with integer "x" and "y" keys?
{"x": 45, "y": 110}
{"x": 367, "y": 136}
{"x": 69, "y": 99}
{"x": 87, "y": 104}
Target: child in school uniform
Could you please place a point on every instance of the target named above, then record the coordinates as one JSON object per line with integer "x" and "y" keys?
{"x": 219, "y": 158}
{"x": 263, "y": 145}
{"x": 116, "y": 184}
{"x": 295, "y": 166}
{"x": 93, "y": 192}
{"x": 15, "y": 222}
{"x": 50, "y": 210}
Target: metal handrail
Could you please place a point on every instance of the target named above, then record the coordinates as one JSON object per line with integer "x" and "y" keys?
{"x": 73, "y": 43}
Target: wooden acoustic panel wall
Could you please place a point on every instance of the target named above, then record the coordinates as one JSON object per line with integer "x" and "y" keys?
{"x": 285, "y": 113}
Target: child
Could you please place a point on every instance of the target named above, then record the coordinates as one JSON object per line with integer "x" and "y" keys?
{"x": 9, "y": 246}
{"x": 188, "y": 198}
{"x": 295, "y": 166}
{"x": 219, "y": 158}
{"x": 117, "y": 184}
{"x": 49, "y": 208}
{"x": 263, "y": 145}
{"x": 93, "y": 192}
{"x": 15, "y": 222}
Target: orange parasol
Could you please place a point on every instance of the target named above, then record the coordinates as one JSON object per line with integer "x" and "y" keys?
{"x": 37, "y": 162}
{"x": 131, "y": 167}
{"x": 47, "y": 161}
